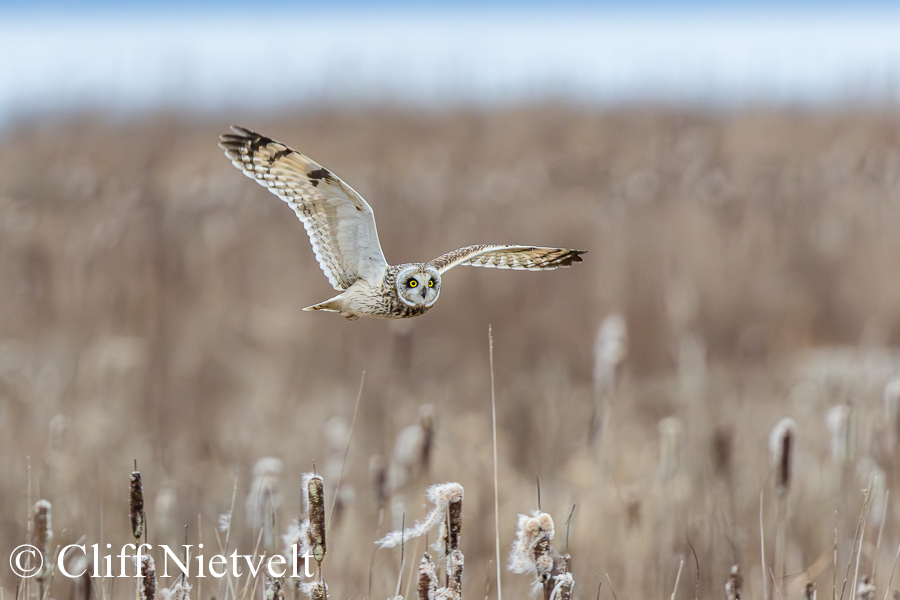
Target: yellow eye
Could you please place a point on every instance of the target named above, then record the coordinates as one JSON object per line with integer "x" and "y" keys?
{"x": 413, "y": 283}
{"x": 431, "y": 283}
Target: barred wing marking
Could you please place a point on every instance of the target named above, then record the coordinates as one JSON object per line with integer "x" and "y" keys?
{"x": 340, "y": 224}
{"x": 525, "y": 258}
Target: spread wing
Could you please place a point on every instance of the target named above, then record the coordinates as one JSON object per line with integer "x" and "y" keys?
{"x": 340, "y": 224}
{"x": 527, "y": 258}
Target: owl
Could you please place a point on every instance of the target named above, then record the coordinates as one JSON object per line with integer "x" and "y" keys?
{"x": 341, "y": 228}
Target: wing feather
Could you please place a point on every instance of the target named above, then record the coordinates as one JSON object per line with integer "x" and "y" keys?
{"x": 339, "y": 222}
{"x": 508, "y": 256}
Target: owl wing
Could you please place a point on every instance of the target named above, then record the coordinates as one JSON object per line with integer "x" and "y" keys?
{"x": 527, "y": 258}
{"x": 340, "y": 224}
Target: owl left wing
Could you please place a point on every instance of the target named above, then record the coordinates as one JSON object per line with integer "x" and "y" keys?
{"x": 508, "y": 256}
{"x": 339, "y": 222}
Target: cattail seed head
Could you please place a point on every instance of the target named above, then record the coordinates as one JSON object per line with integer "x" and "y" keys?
{"x": 781, "y": 447}
{"x": 563, "y": 584}
{"x": 264, "y": 498}
{"x": 454, "y": 518}
{"x": 42, "y": 533}
{"x": 810, "y": 592}
{"x": 274, "y": 588}
{"x": 531, "y": 551}
{"x": 442, "y": 495}
{"x": 428, "y": 578}
{"x": 866, "y": 589}
{"x": 426, "y": 422}
{"x": 722, "y": 446}
{"x": 148, "y": 578}
{"x": 315, "y": 490}
{"x": 136, "y": 504}
{"x": 378, "y": 474}
{"x": 314, "y": 590}
{"x": 734, "y": 585}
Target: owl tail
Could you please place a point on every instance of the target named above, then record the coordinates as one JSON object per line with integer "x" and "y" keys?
{"x": 334, "y": 305}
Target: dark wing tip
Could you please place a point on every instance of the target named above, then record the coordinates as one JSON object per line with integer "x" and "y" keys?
{"x": 242, "y": 138}
{"x": 570, "y": 257}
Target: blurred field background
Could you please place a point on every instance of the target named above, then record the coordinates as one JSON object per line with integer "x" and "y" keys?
{"x": 151, "y": 311}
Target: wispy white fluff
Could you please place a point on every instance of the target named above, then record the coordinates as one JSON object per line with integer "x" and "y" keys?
{"x": 562, "y": 582}
{"x": 530, "y": 532}
{"x": 441, "y": 495}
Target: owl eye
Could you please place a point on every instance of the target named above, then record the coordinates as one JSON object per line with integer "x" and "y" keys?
{"x": 412, "y": 283}
{"x": 431, "y": 283}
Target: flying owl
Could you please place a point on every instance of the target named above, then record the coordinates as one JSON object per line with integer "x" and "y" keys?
{"x": 341, "y": 228}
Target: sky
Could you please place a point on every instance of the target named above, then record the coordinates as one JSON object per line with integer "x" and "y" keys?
{"x": 127, "y": 58}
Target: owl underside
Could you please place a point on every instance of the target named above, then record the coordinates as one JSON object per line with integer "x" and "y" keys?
{"x": 365, "y": 300}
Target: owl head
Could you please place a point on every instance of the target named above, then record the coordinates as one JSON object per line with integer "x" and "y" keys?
{"x": 419, "y": 285}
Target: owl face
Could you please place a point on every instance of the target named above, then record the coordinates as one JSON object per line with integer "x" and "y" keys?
{"x": 419, "y": 285}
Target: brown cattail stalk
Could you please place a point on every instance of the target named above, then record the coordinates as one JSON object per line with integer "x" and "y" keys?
{"x": 137, "y": 505}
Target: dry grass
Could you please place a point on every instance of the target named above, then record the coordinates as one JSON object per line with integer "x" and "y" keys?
{"x": 151, "y": 311}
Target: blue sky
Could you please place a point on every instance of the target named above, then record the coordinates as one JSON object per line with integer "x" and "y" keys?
{"x": 127, "y": 58}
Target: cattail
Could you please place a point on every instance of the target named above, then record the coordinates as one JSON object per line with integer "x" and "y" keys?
{"x": 454, "y": 518}
{"x": 610, "y": 349}
{"x": 297, "y": 534}
{"x": 42, "y": 533}
{"x": 378, "y": 474}
{"x": 838, "y": 420}
{"x": 82, "y": 565}
{"x": 563, "y": 584}
{"x": 866, "y": 589}
{"x": 412, "y": 450}
{"x": 532, "y": 552}
{"x": 264, "y": 498}
{"x": 274, "y": 588}
{"x": 315, "y": 496}
{"x": 781, "y": 442}
{"x": 671, "y": 432}
{"x": 428, "y": 578}
{"x": 441, "y": 495}
{"x": 455, "y": 563}
{"x": 734, "y": 585}
{"x": 426, "y": 422}
{"x": 810, "y": 592}
{"x": 314, "y": 590}
{"x": 137, "y": 505}
{"x": 337, "y": 436}
{"x": 722, "y": 448}
{"x": 180, "y": 591}
{"x": 148, "y": 578}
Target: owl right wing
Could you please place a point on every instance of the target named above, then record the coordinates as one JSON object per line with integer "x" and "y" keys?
{"x": 507, "y": 256}
{"x": 340, "y": 224}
